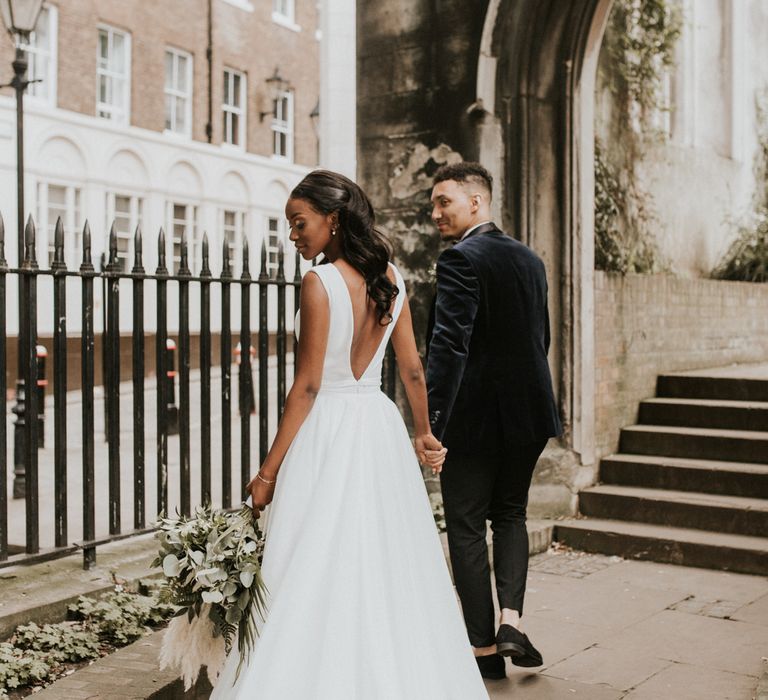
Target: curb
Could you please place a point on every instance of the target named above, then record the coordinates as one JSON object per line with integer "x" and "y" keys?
{"x": 41, "y": 592}
{"x": 130, "y": 673}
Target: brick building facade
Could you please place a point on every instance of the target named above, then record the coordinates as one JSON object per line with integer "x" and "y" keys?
{"x": 161, "y": 114}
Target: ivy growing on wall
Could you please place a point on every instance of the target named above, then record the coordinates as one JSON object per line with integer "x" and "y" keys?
{"x": 638, "y": 48}
{"x": 746, "y": 260}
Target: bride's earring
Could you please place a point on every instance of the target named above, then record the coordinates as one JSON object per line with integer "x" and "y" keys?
{"x": 333, "y": 231}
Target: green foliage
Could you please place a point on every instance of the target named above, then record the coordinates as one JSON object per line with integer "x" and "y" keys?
{"x": 623, "y": 239}
{"x": 747, "y": 257}
{"x": 38, "y": 654}
{"x": 639, "y": 47}
{"x": 120, "y": 618}
{"x": 640, "y": 43}
{"x": 66, "y": 642}
{"x": 19, "y": 667}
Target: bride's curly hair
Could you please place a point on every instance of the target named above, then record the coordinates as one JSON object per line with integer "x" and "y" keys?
{"x": 362, "y": 245}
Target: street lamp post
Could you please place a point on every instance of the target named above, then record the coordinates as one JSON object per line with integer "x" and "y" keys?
{"x": 20, "y": 18}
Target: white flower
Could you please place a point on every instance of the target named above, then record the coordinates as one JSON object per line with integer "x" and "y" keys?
{"x": 246, "y": 578}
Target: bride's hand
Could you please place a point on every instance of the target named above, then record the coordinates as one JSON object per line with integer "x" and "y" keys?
{"x": 261, "y": 493}
{"x": 430, "y": 452}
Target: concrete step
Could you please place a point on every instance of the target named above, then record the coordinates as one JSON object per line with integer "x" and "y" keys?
{"x": 700, "y": 511}
{"x": 688, "y": 386}
{"x": 711, "y": 550}
{"x": 679, "y": 474}
{"x": 705, "y": 413}
{"x": 696, "y": 443}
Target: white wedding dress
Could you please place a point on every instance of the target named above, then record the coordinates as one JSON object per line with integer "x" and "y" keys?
{"x": 361, "y": 603}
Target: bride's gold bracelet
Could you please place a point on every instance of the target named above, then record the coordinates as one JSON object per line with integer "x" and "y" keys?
{"x": 266, "y": 481}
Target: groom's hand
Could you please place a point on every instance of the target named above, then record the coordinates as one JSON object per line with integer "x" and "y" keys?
{"x": 430, "y": 452}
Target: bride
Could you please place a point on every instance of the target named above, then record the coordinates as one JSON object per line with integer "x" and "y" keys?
{"x": 361, "y": 605}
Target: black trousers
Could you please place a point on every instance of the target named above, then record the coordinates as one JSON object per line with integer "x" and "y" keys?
{"x": 477, "y": 488}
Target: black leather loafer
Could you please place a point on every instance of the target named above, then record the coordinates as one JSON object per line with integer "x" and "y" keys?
{"x": 491, "y": 666}
{"x": 513, "y": 643}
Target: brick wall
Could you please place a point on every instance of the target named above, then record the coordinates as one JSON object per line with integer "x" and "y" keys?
{"x": 646, "y": 325}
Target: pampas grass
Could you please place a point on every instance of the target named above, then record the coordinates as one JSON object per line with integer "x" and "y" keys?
{"x": 188, "y": 645}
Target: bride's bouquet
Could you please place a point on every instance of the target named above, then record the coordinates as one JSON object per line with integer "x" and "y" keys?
{"x": 212, "y": 573}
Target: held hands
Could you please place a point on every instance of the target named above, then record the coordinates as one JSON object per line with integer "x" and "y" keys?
{"x": 261, "y": 492}
{"x": 430, "y": 452}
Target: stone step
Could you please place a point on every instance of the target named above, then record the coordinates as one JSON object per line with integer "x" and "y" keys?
{"x": 672, "y": 545}
{"x": 700, "y": 511}
{"x": 695, "y": 443}
{"x": 688, "y": 386}
{"x": 705, "y": 413}
{"x": 679, "y": 474}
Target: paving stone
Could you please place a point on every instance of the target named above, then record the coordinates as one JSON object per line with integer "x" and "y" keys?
{"x": 558, "y": 640}
{"x": 605, "y": 604}
{"x": 530, "y": 686}
{"x": 755, "y": 612}
{"x": 704, "y": 583}
{"x": 69, "y": 682}
{"x": 691, "y": 682}
{"x": 617, "y": 668}
{"x": 573, "y": 564}
{"x": 725, "y": 645}
{"x": 710, "y": 608}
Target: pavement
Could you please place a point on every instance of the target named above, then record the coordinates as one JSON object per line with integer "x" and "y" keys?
{"x": 607, "y": 628}
{"x": 610, "y": 628}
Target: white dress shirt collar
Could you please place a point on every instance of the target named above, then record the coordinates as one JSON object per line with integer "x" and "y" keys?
{"x": 469, "y": 230}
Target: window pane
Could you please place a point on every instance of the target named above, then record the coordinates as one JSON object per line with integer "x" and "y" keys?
{"x": 103, "y": 89}
{"x": 168, "y": 112}
{"x": 181, "y": 115}
{"x": 57, "y": 195}
{"x": 103, "y": 47}
{"x": 41, "y": 36}
{"x": 168, "y": 70}
{"x": 181, "y": 73}
{"x": 123, "y": 204}
{"x": 235, "y": 100}
{"x": 235, "y": 127}
{"x": 118, "y": 58}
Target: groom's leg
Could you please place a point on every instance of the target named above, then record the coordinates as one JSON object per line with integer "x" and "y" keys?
{"x": 467, "y": 485}
{"x": 508, "y": 517}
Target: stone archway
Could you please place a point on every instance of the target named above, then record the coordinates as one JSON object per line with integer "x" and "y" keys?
{"x": 509, "y": 82}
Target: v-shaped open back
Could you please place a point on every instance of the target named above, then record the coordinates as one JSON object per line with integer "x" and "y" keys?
{"x": 366, "y": 337}
{"x": 343, "y": 336}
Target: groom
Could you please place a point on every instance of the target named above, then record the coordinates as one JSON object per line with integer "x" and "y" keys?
{"x": 490, "y": 402}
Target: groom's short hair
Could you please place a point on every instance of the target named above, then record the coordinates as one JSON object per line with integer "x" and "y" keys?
{"x": 465, "y": 172}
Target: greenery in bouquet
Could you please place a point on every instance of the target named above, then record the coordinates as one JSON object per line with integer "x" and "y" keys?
{"x": 211, "y": 563}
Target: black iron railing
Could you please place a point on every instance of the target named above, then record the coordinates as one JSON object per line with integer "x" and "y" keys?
{"x": 112, "y": 348}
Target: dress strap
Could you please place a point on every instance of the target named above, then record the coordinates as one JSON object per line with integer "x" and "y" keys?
{"x": 400, "y": 299}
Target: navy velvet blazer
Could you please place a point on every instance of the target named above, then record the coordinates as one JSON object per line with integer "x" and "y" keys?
{"x": 487, "y": 373}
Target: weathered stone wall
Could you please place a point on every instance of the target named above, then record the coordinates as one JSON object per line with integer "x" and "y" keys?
{"x": 700, "y": 178}
{"x": 416, "y": 75}
{"x": 650, "y": 324}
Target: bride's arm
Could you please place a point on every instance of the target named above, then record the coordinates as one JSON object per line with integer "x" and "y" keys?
{"x": 428, "y": 448}
{"x": 315, "y": 318}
